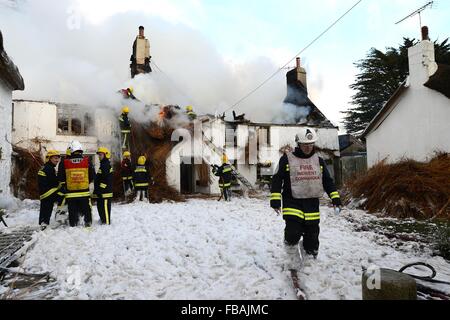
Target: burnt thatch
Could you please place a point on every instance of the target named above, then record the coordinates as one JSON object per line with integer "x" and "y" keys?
{"x": 406, "y": 189}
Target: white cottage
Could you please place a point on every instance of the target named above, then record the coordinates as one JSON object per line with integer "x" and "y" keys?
{"x": 253, "y": 148}
{"x": 10, "y": 80}
{"x": 415, "y": 122}
{"x": 49, "y": 125}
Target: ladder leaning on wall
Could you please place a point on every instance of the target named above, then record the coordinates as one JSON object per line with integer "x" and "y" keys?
{"x": 220, "y": 151}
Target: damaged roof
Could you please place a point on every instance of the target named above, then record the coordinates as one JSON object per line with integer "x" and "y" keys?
{"x": 9, "y": 71}
{"x": 299, "y": 97}
{"x": 440, "y": 81}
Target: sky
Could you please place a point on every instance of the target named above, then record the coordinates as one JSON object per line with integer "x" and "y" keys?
{"x": 212, "y": 52}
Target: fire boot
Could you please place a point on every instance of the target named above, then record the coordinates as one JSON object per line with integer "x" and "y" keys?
{"x": 293, "y": 260}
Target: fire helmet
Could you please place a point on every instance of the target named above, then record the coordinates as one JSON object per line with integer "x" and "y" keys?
{"x": 306, "y": 136}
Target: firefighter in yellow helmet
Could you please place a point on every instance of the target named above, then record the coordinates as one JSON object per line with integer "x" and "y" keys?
{"x": 142, "y": 178}
{"x": 77, "y": 172}
{"x": 103, "y": 186}
{"x": 190, "y": 113}
{"x": 225, "y": 174}
{"x": 48, "y": 187}
{"x": 125, "y": 127}
{"x": 126, "y": 169}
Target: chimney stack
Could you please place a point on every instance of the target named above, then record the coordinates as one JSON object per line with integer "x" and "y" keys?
{"x": 425, "y": 33}
{"x": 301, "y": 74}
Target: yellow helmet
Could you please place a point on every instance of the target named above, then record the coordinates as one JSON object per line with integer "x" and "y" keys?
{"x": 105, "y": 151}
{"x": 52, "y": 153}
{"x": 127, "y": 154}
{"x": 225, "y": 158}
{"x": 142, "y": 160}
{"x": 189, "y": 108}
{"x": 126, "y": 109}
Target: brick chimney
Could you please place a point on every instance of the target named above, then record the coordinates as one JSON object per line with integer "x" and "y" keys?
{"x": 301, "y": 74}
{"x": 422, "y": 62}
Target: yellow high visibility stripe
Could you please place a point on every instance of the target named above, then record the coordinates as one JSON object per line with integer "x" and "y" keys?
{"x": 61, "y": 194}
{"x": 140, "y": 170}
{"x": 78, "y": 195}
{"x": 42, "y": 173}
{"x": 275, "y": 196}
{"x": 126, "y": 131}
{"x": 94, "y": 196}
{"x": 312, "y": 216}
{"x": 335, "y": 195}
{"x": 107, "y": 195}
{"x": 106, "y": 211}
{"x": 293, "y": 212}
{"x": 48, "y": 193}
{"x": 100, "y": 171}
{"x": 226, "y": 170}
{"x": 103, "y": 185}
{"x": 141, "y": 184}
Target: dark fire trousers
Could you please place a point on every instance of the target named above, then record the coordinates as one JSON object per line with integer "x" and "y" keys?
{"x": 104, "y": 210}
{"x": 296, "y": 229}
{"x": 45, "y": 212}
{"x": 77, "y": 207}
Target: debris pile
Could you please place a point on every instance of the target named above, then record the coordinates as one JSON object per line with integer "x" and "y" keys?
{"x": 25, "y": 166}
{"x": 408, "y": 189}
{"x": 154, "y": 142}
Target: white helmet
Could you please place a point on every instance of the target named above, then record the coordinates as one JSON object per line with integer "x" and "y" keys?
{"x": 75, "y": 146}
{"x": 306, "y": 136}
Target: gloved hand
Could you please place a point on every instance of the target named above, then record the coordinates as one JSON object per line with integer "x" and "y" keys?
{"x": 337, "y": 202}
{"x": 337, "y": 209}
{"x": 275, "y": 204}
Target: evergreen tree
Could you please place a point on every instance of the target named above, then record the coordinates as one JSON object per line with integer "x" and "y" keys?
{"x": 381, "y": 75}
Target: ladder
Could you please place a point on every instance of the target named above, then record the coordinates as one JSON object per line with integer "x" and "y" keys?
{"x": 220, "y": 152}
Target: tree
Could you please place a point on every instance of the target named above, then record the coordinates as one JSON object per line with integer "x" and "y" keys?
{"x": 381, "y": 75}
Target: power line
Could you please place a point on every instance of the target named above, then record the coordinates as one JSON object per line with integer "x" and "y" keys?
{"x": 298, "y": 54}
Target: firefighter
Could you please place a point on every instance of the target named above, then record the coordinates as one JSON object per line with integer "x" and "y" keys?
{"x": 62, "y": 205}
{"x": 140, "y": 59}
{"x": 300, "y": 182}
{"x": 48, "y": 187}
{"x": 141, "y": 179}
{"x": 225, "y": 176}
{"x": 103, "y": 189}
{"x": 127, "y": 172}
{"x": 190, "y": 113}
{"x": 128, "y": 93}
{"x": 77, "y": 172}
{"x": 125, "y": 127}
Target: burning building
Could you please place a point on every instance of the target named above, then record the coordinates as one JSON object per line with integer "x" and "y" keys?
{"x": 253, "y": 148}
{"x": 45, "y": 125}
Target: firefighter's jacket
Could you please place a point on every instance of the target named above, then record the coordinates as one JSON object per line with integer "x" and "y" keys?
{"x": 76, "y": 173}
{"x": 48, "y": 181}
{"x": 225, "y": 173}
{"x": 103, "y": 183}
{"x": 125, "y": 126}
{"x": 141, "y": 177}
{"x": 295, "y": 208}
{"x": 126, "y": 170}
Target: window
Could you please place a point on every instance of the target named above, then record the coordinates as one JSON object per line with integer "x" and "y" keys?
{"x": 72, "y": 120}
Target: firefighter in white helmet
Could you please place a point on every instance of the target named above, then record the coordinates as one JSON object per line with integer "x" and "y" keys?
{"x": 296, "y": 189}
{"x": 76, "y": 173}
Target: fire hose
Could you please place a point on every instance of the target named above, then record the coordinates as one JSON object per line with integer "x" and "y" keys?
{"x": 431, "y": 279}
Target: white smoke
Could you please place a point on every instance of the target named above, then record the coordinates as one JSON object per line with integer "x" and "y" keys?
{"x": 70, "y": 61}
{"x": 292, "y": 114}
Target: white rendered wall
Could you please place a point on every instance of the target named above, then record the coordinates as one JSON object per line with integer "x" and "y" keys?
{"x": 5, "y": 137}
